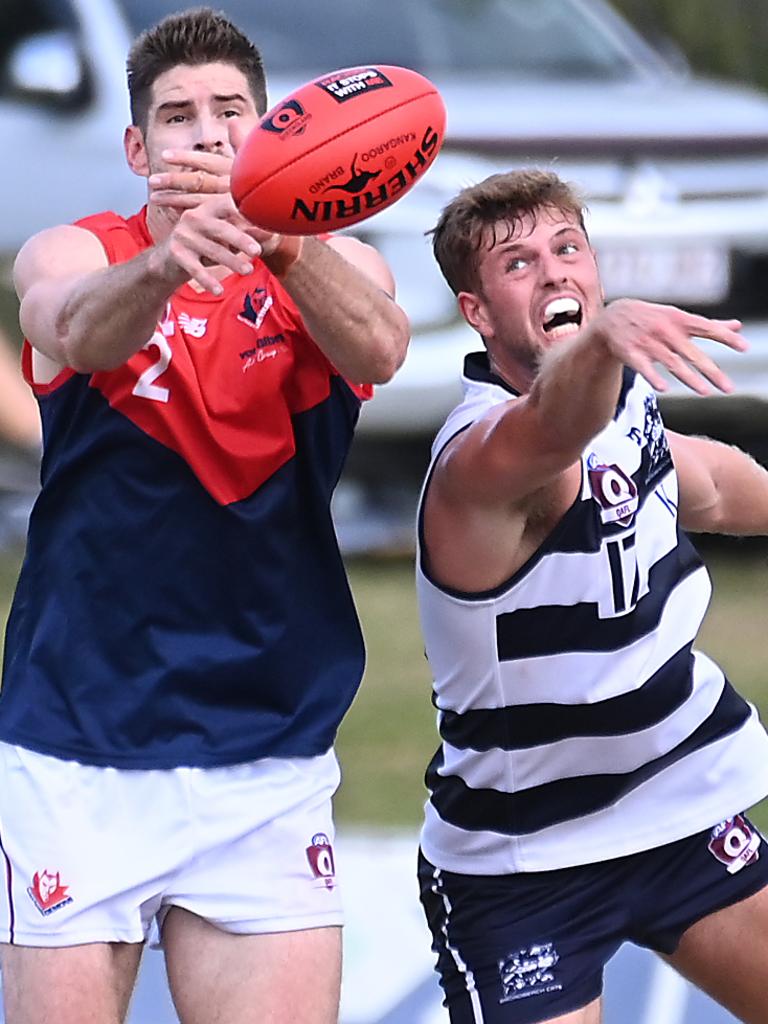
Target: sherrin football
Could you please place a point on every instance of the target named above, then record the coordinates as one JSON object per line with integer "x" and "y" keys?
{"x": 338, "y": 149}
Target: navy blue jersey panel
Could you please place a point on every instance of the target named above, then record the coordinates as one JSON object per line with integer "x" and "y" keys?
{"x": 216, "y": 634}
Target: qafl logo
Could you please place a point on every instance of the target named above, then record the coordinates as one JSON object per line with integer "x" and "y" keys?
{"x": 320, "y": 857}
{"x": 615, "y": 493}
{"x": 734, "y": 843}
{"x": 288, "y": 120}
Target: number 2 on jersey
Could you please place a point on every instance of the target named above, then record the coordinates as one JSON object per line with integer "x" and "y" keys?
{"x": 145, "y": 386}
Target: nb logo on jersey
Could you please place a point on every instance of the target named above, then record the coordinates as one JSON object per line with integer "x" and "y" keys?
{"x": 194, "y": 326}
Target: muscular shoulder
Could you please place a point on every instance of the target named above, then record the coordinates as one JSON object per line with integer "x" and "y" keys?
{"x": 65, "y": 250}
{"x": 474, "y": 545}
{"x": 366, "y": 258}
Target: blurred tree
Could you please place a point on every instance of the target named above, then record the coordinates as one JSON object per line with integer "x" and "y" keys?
{"x": 727, "y": 38}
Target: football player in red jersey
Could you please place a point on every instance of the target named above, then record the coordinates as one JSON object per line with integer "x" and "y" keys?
{"x": 183, "y": 643}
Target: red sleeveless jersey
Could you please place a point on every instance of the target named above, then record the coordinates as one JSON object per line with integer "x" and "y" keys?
{"x": 183, "y": 600}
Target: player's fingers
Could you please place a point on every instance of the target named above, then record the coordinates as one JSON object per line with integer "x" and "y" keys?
{"x": 726, "y": 332}
{"x": 197, "y": 182}
{"x": 208, "y": 283}
{"x": 176, "y": 200}
{"x": 708, "y": 368}
{"x": 679, "y": 351}
{"x": 687, "y": 374}
{"x": 191, "y": 201}
{"x": 199, "y": 160}
{"x": 196, "y": 252}
{"x": 646, "y": 368}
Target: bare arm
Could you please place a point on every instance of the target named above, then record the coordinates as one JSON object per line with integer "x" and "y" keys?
{"x": 503, "y": 484}
{"x": 82, "y": 313}
{"x": 76, "y": 309}
{"x": 722, "y": 489}
{"x": 525, "y": 444}
{"x": 343, "y": 288}
{"x": 344, "y": 291}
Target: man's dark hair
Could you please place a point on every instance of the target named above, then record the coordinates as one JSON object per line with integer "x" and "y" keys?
{"x": 473, "y": 220}
{"x": 196, "y": 36}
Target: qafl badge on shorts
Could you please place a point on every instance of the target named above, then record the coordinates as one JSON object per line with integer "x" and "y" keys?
{"x": 320, "y": 857}
{"x": 734, "y": 843}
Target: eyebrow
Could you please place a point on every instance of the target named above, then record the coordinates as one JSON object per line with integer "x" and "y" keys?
{"x": 186, "y": 104}
{"x": 522, "y": 243}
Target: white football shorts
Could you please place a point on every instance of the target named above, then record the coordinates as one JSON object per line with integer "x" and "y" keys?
{"x": 90, "y": 854}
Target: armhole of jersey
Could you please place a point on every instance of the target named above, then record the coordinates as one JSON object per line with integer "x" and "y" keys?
{"x": 420, "y": 539}
{"x": 41, "y": 389}
{"x": 109, "y": 225}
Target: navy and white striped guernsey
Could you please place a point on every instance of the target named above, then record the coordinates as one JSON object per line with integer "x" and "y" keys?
{"x": 578, "y": 722}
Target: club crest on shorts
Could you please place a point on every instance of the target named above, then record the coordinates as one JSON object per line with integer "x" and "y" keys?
{"x": 734, "y": 843}
{"x": 47, "y": 892}
{"x": 528, "y": 972}
{"x": 320, "y": 857}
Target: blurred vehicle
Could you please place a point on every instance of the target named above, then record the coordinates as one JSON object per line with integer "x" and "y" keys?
{"x": 674, "y": 167}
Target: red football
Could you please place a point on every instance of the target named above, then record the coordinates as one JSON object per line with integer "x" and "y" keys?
{"x": 338, "y": 149}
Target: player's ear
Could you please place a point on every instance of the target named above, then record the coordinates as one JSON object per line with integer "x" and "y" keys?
{"x": 136, "y": 150}
{"x": 473, "y": 310}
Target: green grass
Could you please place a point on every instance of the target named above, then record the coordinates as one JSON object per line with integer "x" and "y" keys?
{"x": 389, "y": 733}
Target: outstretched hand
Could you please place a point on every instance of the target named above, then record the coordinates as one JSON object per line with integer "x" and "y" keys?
{"x": 646, "y": 335}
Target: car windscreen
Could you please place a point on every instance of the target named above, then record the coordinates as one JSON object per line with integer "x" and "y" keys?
{"x": 528, "y": 39}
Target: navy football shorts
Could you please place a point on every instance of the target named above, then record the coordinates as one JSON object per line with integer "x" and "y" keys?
{"x": 517, "y": 949}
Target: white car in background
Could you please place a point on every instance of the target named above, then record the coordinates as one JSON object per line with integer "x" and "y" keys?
{"x": 674, "y": 167}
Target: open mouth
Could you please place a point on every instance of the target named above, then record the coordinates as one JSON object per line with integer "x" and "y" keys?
{"x": 562, "y": 317}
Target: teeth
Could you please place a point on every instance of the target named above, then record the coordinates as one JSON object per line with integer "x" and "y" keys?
{"x": 563, "y": 305}
{"x": 563, "y": 329}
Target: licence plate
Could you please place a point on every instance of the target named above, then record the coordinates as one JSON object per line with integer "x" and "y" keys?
{"x": 661, "y": 272}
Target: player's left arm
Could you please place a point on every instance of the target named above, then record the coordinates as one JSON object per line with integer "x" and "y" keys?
{"x": 343, "y": 288}
{"x": 721, "y": 489}
{"x": 344, "y": 291}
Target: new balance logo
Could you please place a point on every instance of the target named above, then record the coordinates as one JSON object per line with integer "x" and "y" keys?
{"x": 194, "y": 326}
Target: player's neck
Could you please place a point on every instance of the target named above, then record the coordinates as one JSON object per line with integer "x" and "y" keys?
{"x": 519, "y": 378}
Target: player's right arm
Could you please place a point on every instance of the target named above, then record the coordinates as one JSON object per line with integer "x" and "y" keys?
{"x": 529, "y": 441}
{"x": 503, "y": 483}
{"x": 79, "y": 311}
